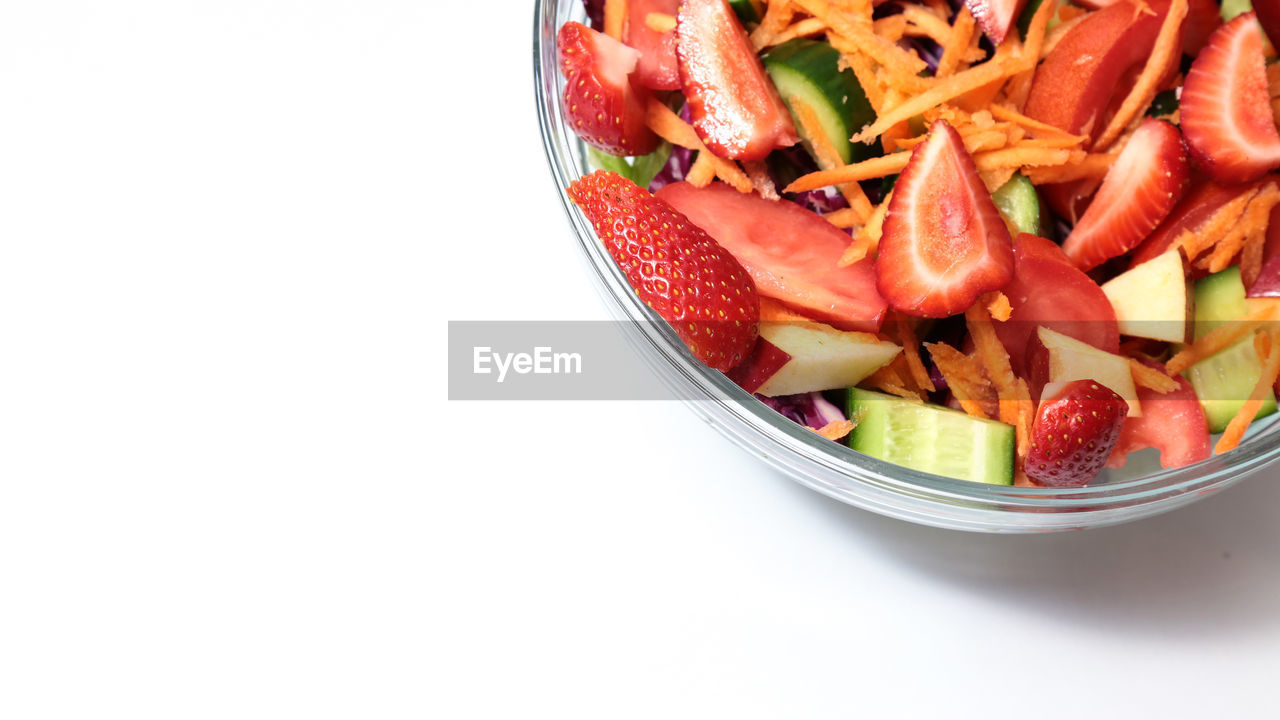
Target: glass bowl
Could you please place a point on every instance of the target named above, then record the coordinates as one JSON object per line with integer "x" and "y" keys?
{"x": 1141, "y": 489}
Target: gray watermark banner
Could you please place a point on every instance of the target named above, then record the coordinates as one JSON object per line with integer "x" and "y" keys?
{"x": 554, "y": 360}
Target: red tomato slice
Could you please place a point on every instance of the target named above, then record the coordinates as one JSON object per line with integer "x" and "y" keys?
{"x": 1173, "y": 423}
{"x": 1094, "y": 65}
{"x": 657, "y": 69}
{"x": 1048, "y": 290}
{"x": 791, "y": 253}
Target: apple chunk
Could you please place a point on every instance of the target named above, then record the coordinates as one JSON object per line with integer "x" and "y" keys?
{"x": 1153, "y": 300}
{"x": 1056, "y": 358}
{"x": 817, "y": 357}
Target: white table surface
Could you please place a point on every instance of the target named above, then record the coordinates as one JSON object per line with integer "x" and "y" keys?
{"x": 231, "y": 484}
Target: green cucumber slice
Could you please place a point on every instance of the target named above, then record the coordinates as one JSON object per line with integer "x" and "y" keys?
{"x": 931, "y": 438}
{"x": 1223, "y": 381}
{"x": 1019, "y": 203}
{"x": 809, "y": 70}
{"x": 1231, "y": 8}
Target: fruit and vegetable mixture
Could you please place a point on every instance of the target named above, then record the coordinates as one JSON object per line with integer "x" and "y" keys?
{"x": 1008, "y": 241}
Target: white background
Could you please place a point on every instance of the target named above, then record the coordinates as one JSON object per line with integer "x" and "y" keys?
{"x": 231, "y": 484}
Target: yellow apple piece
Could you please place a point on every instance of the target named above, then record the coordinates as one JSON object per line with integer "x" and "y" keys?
{"x": 1069, "y": 359}
{"x": 822, "y": 357}
{"x": 1153, "y": 300}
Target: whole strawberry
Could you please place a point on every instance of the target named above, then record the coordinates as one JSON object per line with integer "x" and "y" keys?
{"x": 1075, "y": 428}
{"x": 675, "y": 268}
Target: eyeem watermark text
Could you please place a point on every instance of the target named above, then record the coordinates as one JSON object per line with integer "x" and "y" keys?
{"x": 542, "y": 361}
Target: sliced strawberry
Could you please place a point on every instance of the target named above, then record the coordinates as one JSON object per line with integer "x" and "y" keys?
{"x": 791, "y": 253}
{"x": 658, "y": 69}
{"x": 995, "y": 16}
{"x": 604, "y": 108}
{"x": 1075, "y": 428}
{"x": 1172, "y": 422}
{"x": 735, "y": 107}
{"x": 943, "y": 243}
{"x": 1146, "y": 181}
{"x": 675, "y": 268}
{"x": 1047, "y": 290}
{"x": 1226, "y": 109}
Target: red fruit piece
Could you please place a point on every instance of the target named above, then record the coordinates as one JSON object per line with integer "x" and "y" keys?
{"x": 1172, "y": 422}
{"x": 1268, "y": 282}
{"x": 735, "y": 107}
{"x": 675, "y": 268}
{"x": 1089, "y": 72}
{"x": 1196, "y": 207}
{"x": 1048, "y": 290}
{"x": 995, "y": 16}
{"x": 791, "y": 253}
{"x": 943, "y": 243}
{"x": 657, "y": 69}
{"x": 603, "y": 106}
{"x": 1203, "y": 17}
{"x": 1269, "y": 16}
{"x": 1146, "y": 181}
{"x": 1226, "y": 109}
{"x": 1073, "y": 433}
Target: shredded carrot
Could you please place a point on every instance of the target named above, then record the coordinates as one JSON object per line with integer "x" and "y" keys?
{"x": 1220, "y": 338}
{"x": 1000, "y": 308}
{"x": 703, "y": 170}
{"x": 994, "y": 359}
{"x": 844, "y": 218}
{"x": 828, "y": 157}
{"x": 668, "y": 126}
{"x": 1251, "y": 227}
{"x": 965, "y": 379}
{"x": 1094, "y": 166}
{"x": 1235, "y": 431}
{"x": 1000, "y": 112}
{"x": 995, "y": 179}
{"x": 1150, "y": 378}
{"x": 836, "y": 429}
{"x": 777, "y": 16}
{"x": 956, "y": 43}
{"x": 868, "y": 238}
{"x": 866, "y": 75}
{"x": 865, "y": 170}
{"x": 761, "y": 179}
{"x": 999, "y": 66}
{"x": 926, "y": 23}
{"x": 615, "y": 16}
{"x": 1257, "y": 218}
{"x": 911, "y": 353}
{"x": 1168, "y": 48}
{"x": 1217, "y": 226}
{"x": 891, "y": 28}
{"x": 1020, "y": 85}
{"x": 1023, "y": 156}
{"x": 803, "y": 28}
{"x": 888, "y": 380}
{"x": 849, "y": 34}
{"x": 1022, "y": 427}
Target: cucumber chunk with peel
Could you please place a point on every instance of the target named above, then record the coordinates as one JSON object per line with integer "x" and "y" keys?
{"x": 1224, "y": 380}
{"x": 809, "y": 70}
{"x": 931, "y": 438}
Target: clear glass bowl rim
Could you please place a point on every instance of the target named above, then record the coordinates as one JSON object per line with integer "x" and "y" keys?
{"x": 832, "y": 468}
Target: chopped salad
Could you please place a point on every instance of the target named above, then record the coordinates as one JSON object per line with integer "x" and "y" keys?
{"x": 1006, "y": 241}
